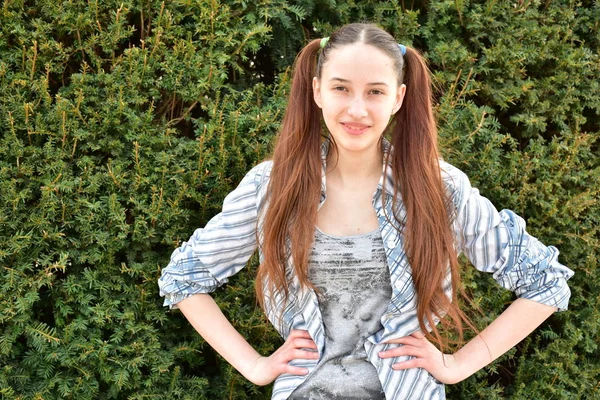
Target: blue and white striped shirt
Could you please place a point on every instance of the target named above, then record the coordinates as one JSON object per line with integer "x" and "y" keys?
{"x": 494, "y": 242}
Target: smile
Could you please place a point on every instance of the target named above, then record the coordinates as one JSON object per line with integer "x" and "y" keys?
{"x": 354, "y": 128}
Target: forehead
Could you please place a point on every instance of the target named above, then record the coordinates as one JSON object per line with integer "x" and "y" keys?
{"x": 359, "y": 62}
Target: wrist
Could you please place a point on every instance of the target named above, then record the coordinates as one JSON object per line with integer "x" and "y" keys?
{"x": 249, "y": 366}
{"x": 455, "y": 370}
{"x": 463, "y": 366}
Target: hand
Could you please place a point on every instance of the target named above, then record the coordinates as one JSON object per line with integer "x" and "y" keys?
{"x": 443, "y": 367}
{"x": 266, "y": 369}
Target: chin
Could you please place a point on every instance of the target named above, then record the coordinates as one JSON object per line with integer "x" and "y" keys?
{"x": 357, "y": 144}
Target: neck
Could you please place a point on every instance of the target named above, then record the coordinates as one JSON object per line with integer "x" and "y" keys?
{"x": 350, "y": 168}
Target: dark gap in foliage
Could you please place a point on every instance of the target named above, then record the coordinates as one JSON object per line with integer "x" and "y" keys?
{"x": 125, "y": 43}
{"x": 475, "y": 45}
{"x": 209, "y": 367}
{"x": 105, "y": 334}
{"x": 232, "y": 75}
{"x": 133, "y": 19}
{"x": 30, "y": 9}
{"x": 592, "y": 120}
{"x": 121, "y": 257}
{"x": 503, "y": 117}
{"x": 189, "y": 22}
{"x": 264, "y": 69}
{"x": 60, "y": 274}
{"x": 55, "y": 83}
{"x": 546, "y": 69}
{"x": 129, "y": 218}
{"x": 421, "y": 44}
{"x": 136, "y": 256}
{"x": 74, "y": 64}
{"x": 198, "y": 113}
{"x": 171, "y": 108}
{"x": 185, "y": 128}
{"x": 43, "y": 307}
{"x": 595, "y": 148}
{"x": 104, "y": 387}
{"x": 21, "y": 342}
{"x": 417, "y": 5}
{"x": 32, "y": 201}
{"x": 552, "y": 131}
{"x": 516, "y": 131}
{"x": 504, "y": 375}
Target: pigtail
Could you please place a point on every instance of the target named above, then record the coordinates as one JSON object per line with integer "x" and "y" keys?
{"x": 427, "y": 229}
{"x": 295, "y": 184}
{"x": 294, "y": 187}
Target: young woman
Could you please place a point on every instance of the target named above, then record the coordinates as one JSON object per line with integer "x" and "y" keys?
{"x": 358, "y": 239}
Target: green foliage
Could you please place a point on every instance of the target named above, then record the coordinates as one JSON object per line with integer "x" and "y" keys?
{"x": 124, "y": 124}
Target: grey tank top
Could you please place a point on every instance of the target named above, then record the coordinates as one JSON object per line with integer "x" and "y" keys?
{"x": 353, "y": 280}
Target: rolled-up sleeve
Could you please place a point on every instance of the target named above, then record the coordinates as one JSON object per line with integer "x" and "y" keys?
{"x": 498, "y": 243}
{"x": 217, "y": 251}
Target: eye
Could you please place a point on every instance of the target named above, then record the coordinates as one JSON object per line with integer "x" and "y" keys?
{"x": 339, "y": 88}
{"x": 377, "y": 92}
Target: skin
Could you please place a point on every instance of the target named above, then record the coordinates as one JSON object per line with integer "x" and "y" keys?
{"x": 505, "y": 332}
{"x": 358, "y": 92}
{"x": 208, "y": 320}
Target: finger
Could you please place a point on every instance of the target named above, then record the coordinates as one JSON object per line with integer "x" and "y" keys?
{"x": 418, "y": 335}
{"x": 289, "y": 354}
{"x": 403, "y": 351}
{"x": 299, "y": 333}
{"x": 414, "y": 363}
{"x": 406, "y": 340}
{"x": 305, "y": 354}
{"x": 303, "y": 343}
{"x": 290, "y": 369}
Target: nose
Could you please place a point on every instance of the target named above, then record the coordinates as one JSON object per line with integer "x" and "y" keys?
{"x": 357, "y": 108}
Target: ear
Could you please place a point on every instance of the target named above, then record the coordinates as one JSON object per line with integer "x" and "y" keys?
{"x": 399, "y": 98}
{"x": 316, "y": 84}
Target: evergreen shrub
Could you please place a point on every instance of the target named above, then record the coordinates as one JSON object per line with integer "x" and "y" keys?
{"x": 124, "y": 124}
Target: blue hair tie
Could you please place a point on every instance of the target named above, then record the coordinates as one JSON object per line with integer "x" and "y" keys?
{"x": 402, "y": 48}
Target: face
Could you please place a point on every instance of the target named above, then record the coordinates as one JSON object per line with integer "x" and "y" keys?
{"x": 358, "y": 92}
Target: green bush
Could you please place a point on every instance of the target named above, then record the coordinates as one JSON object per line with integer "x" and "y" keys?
{"x": 124, "y": 124}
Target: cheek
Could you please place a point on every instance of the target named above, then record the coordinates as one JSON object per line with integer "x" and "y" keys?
{"x": 388, "y": 107}
{"x": 332, "y": 106}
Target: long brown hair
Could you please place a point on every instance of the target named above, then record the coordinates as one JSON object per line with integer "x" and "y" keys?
{"x": 295, "y": 182}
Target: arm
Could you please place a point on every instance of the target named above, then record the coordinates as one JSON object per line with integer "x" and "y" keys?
{"x": 205, "y": 262}
{"x": 512, "y": 326}
{"x": 208, "y": 320}
{"x": 497, "y": 243}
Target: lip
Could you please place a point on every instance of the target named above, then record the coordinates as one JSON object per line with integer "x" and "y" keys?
{"x": 355, "y": 128}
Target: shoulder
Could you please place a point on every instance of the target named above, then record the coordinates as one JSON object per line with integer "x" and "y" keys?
{"x": 260, "y": 174}
{"x": 456, "y": 182}
{"x": 257, "y": 182}
{"x": 252, "y": 185}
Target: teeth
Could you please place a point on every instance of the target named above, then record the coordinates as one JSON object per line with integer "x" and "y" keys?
{"x": 355, "y": 128}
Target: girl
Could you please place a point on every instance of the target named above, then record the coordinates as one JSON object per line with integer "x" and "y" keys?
{"x": 359, "y": 237}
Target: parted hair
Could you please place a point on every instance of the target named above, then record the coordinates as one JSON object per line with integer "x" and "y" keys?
{"x": 295, "y": 183}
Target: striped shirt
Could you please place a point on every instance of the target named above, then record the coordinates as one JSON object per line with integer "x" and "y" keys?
{"x": 495, "y": 242}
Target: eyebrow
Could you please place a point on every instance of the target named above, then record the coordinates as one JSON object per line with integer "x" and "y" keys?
{"x": 335, "y": 78}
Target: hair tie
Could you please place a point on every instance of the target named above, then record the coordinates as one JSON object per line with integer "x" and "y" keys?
{"x": 324, "y": 41}
{"x": 402, "y": 48}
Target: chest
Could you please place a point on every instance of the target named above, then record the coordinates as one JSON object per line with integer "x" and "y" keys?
{"x": 348, "y": 212}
